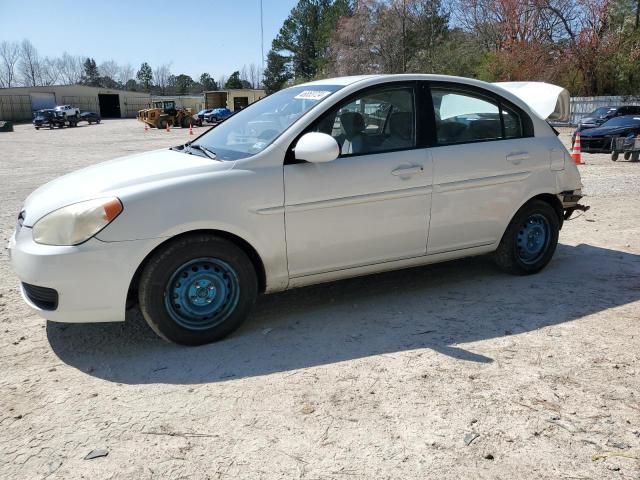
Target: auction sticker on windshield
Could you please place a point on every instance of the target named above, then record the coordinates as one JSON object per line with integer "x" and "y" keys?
{"x": 312, "y": 95}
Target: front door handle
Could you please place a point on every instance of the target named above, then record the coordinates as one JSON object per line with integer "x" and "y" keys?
{"x": 517, "y": 158}
{"x": 407, "y": 171}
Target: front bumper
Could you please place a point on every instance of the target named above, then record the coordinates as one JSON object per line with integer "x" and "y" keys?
{"x": 91, "y": 279}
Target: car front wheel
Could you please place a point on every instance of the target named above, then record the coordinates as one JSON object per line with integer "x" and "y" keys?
{"x": 530, "y": 240}
{"x": 197, "y": 289}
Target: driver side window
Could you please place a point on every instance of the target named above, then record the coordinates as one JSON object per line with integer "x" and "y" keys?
{"x": 378, "y": 120}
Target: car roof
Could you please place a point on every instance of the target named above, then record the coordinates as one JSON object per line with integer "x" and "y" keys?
{"x": 344, "y": 81}
{"x": 543, "y": 99}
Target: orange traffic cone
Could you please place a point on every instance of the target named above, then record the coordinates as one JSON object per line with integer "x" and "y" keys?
{"x": 190, "y": 129}
{"x": 168, "y": 127}
{"x": 576, "y": 154}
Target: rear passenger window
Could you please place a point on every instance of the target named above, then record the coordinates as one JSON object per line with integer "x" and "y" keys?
{"x": 512, "y": 123}
{"x": 463, "y": 117}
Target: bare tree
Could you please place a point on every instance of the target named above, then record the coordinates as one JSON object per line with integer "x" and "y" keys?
{"x": 109, "y": 69}
{"x": 161, "y": 76}
{"x": 9, "y": 55}
{"x": 254, "y": 77}
{"x": 125, "y": 73}
{"x": 222, "y": 80}
{"x": 29, "y": 64}
{"x": 244, "y": 77}
{"x": 49, "y": 71}
{"x": 354, "y": 47}
{"x": 70, "y": 69}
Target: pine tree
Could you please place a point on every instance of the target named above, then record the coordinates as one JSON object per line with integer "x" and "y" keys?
{"x": 91, "y": 76}
{"x": 234, "y": 81}
{"x": 145, "y": 76}
{"x": 277, "y": 74}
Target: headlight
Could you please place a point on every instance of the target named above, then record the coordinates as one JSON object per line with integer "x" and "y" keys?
{"x": 77, "y": 223}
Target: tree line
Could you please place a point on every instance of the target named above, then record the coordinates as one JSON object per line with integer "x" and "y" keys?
{"x": 22, "y": 66}
{"x": 591, "y": 47}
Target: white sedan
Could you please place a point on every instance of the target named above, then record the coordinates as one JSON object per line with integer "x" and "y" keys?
{"x": 322, "y": 181}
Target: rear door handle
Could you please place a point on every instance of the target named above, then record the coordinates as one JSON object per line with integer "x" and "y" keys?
{"x": 516, "y": 158}
{"x": 407, "y": 171}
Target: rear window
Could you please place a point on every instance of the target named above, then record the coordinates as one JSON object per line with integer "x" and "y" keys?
{"x": 629, "y": 110}
{"x": 622, "y": 121}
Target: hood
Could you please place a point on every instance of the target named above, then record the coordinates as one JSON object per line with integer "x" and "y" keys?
{"x": 550, "y": 102}
{"x": 603, "y": 131}
{"x": 114, "y": 177}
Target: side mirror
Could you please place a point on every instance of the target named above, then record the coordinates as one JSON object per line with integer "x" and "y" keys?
{"x": 316, "y": 147}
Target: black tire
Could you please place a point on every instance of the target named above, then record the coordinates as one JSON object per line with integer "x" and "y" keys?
{"x": 635, "y": 156}
{"x": 627, "y": 155}
{"x": 161, "y": 277}
{"x": 614, "y": 156}
{"x": 37, "y": 128}
{"x": 98, "y": 121}
{"x": 511, "y": 256}
{"x": 162, "y": 124}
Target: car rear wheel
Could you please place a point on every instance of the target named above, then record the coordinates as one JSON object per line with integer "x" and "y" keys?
{"x": 635, "y": 156}
{"x": 627, "y": 155}
{"x": 530, "y": 239}
{"x": 197, "y": 289}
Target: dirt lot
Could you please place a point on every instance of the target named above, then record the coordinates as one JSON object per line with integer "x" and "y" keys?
{"x": 445, "y": 372}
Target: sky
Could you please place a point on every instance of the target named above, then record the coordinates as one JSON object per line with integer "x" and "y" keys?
{"x": 196, "y": 36}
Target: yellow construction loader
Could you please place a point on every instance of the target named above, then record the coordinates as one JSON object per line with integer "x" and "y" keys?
{"x": 164, "y": 113}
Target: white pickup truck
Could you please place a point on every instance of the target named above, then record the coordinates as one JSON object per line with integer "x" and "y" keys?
{"x": 67, "y": 111}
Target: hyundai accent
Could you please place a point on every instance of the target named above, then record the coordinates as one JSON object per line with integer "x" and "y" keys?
{"x": 327, "y": 180}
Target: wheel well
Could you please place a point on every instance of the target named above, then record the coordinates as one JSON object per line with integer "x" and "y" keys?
{"x": 243, "y": 244}
{"x": 554, "y": 202}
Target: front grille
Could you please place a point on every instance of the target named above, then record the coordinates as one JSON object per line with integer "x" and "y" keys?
{"x": 42, "y": 297}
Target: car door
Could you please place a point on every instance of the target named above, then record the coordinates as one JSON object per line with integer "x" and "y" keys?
{"x": 483, "y": 154}
{"x": 372, "y": 203}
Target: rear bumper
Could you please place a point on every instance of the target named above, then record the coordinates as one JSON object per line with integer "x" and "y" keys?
{"x": 570, "y": 199}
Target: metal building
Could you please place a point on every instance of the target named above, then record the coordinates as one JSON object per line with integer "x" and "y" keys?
{"x": 19, "y": 103}
{"x": 232, "y": 99}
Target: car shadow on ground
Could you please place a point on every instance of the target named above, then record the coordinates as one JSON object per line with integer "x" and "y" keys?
{"x": 440, "y": 307}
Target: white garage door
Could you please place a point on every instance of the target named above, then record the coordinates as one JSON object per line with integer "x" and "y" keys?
{"x": 42, "y": 100}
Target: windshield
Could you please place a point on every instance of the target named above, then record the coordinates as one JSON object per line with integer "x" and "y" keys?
{"x": 599, "y": 112}
{"x": 252, "y": 129}
{"x": 622, "y": 121}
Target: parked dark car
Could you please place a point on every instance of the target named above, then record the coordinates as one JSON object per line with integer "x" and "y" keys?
{"x": 602, "y": 114}
{"x": 598, "y": 140}
{"x": 43, "y": 118}
{"x": 90, "y": 117}
{"x": 217, "y": 115}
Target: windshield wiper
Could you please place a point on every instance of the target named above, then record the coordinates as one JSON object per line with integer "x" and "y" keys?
{"x": 209, "y": 153}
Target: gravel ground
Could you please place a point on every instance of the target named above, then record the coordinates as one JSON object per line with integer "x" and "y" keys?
{"x": 446, "y": 372}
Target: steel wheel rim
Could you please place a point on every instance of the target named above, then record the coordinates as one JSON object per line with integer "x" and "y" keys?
{"x": 533, "y": 239}
{"x": 202, "y": 293}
